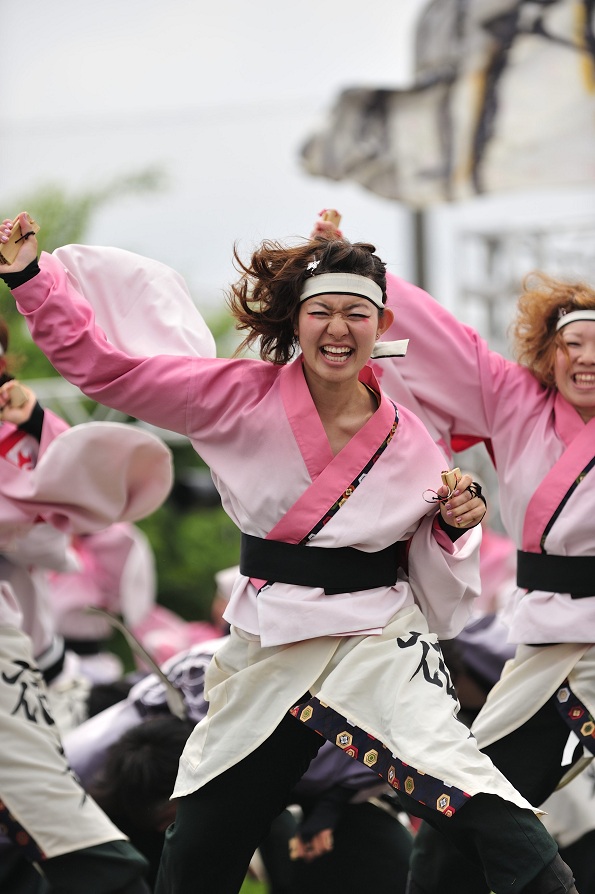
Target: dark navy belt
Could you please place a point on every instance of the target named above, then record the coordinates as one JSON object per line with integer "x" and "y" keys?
{"x": 556, "y": 574}
{"x": 86, "y": 646}
{"x": 340, "y": 569}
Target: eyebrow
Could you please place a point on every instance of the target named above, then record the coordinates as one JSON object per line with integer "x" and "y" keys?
{"x": 566, "y": 336}
{"x": 362, "y": 302}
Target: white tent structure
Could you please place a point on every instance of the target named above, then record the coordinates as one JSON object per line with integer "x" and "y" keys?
{"x": 502, "y": 99}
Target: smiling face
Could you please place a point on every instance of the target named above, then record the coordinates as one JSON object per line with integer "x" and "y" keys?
{"x": 337, "y": 334}
{"x": 575, "y": 372}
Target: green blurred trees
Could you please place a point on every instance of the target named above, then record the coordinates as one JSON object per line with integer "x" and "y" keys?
{"x": 192, "y": 543}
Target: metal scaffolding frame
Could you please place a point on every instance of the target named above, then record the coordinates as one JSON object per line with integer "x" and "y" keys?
{"x": 493, "y": 263}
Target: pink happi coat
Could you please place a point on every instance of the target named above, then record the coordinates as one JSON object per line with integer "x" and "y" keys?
{"x": 76, "y": 480}
{"x": 540, "y": 443}
{"x": 255, "y": 425}
{"x": 117, "y": 573}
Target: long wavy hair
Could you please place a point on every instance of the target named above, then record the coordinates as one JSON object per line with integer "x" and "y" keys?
{"x": 543, "y": 301}
{"x": 265, "y": 300}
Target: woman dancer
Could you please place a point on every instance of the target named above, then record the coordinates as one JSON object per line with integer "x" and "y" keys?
{"x": 327, "y": 480}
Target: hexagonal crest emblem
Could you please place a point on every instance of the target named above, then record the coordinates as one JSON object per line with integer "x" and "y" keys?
{"x": 563, "y": 694}
{"x": 352, "y": 751}
{"x": 588, "y": 728}
{"x": 576, "y": 713}
{"x": 344, "y": 739}
{"x": 370, "y": 757}
{"x": 443, "y": 803}
{"x": 306, "y": 713}
{"x": 409, "y": 785}
{"x": 391, "y": 775}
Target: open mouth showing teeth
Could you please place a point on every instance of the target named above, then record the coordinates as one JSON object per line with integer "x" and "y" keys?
{"x": 584, "y": 379}
{"x": 336, "y": 354}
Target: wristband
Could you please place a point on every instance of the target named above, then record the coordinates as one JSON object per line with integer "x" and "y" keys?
{"x": 19, "y": 278}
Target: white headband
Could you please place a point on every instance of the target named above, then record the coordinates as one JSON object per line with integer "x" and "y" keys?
{"x": 343, "y": 284}
{"x": 574, "y": 316}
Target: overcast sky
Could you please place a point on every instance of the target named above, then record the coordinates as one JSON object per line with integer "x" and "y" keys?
{"x": 219, "y": 96}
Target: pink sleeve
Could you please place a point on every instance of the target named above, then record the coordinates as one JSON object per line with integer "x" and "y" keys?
{"x": 442, "y": 538}
{"x": 448, "y": 367}
{"x": 62, "y": 323}
{"x": 52, "y": 426}
{"x": 444, "y": 576}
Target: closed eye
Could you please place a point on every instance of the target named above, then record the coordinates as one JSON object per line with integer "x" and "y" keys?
{"x": 351, "y": 316}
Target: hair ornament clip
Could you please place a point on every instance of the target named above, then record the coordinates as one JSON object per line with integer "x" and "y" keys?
{"x": 312, "y": 267}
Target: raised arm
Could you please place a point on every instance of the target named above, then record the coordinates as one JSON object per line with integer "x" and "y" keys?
{"x": 449, "y": 377}
{"x": 141, "y": 304}
{"x": 449, "y": 368}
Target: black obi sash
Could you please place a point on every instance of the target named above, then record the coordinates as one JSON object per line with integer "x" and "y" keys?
{"x": 556, "y": 574}
{"x": 341, "y": 569}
